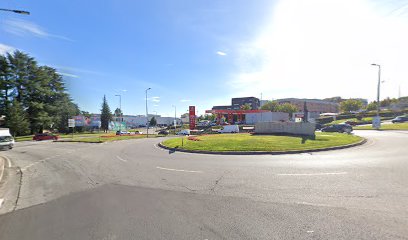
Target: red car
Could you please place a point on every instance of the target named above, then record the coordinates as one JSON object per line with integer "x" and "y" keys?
{"x": 44, "y": 136}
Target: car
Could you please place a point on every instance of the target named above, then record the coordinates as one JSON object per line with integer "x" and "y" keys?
{"x": 341, "y": 128}
{"x": 184, "y": 132}
{"x": 229, "y": 129}
{"x": 163, "y": 132}
{"x": 400, "y": 119}
{"x": 6, "y": 140}
{"x": 45, "y": 136}
{"x": 122, "y": 133}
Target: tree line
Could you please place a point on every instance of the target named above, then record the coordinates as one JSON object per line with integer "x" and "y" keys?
{"x": 33, "y": 97}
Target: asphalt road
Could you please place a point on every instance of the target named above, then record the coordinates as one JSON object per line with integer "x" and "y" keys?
{"x": 134, "y": 190}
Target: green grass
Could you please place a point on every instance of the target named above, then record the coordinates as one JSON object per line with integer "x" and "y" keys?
{"x": 394, "y": 126}
{"x": 106, "y": 138}
{"x": 366, "y": 120}
{"x": 23, "y": 138}
{"x": 247, "y": 142}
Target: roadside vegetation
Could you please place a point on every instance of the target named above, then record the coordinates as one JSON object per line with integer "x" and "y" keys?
{"x": 395, "y": 126}
{"x": 248, "y": 142}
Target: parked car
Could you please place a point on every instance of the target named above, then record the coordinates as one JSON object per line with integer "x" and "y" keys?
{"x": 319, "y": 126}
{"x": 45, "y": 136}
{"x": 229, "y": 129}
{"x": 341, "y": 128}
{"x": 6, "y": 140}
{"x": 400, "y": 119}
{"x": 122, "y": 133}
{"x": 184, "y": 132}
{"x": 163, "y": 132}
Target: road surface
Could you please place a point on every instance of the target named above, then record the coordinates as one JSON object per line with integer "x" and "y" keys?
{"x": 135, "y": 190}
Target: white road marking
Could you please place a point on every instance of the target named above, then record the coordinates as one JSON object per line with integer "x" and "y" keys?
{"x": 8, "y": 161}
{"x": 310, "y": 231}
{"x": 311, "y": 174}
{"x": 1, "y": 201}
{"x": 178, "y": 170}
{"x": 121, "y": 159}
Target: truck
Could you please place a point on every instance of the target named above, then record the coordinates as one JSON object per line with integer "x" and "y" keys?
{"x": 6, "y": 140}
{"x": 229, "y": 129}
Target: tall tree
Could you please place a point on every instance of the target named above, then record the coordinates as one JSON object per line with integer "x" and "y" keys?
{"x": 16, "y": 119}
{"x": 351, "y": 105}
{"x": 153, "y": 122}
{"x": 106, "y": 115}
{"x": 287, "y": 108}
{"x": 270, "y": 105}
{"x": 5, "y": 85}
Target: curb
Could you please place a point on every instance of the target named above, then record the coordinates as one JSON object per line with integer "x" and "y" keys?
{"x": 75, "y": 141}
{"x": 265, "y": 152}
{"x": 2, "y": 167}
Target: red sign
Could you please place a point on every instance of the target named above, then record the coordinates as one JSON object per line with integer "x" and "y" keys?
{"x": 192, "y": 117}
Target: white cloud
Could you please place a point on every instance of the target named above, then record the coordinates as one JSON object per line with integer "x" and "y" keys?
{"x": 155, "y": 105}
{"x": 221, "y": 53}
{"x": 6, "y": 49}
{"x": 22, "y": 27}
{"x": 185, "y": 100}
{"x": 155, "y": 99}
{"x": 68, "y": 75}
{"x": 321, "y": 48}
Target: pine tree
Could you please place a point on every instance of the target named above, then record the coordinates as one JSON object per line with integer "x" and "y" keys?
{"x": 106, "y": 115}
{"x": 16, "y": 119}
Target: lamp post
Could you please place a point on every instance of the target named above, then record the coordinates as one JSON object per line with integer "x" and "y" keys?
{"x": 120, "y": 108}
{"x": 378, "y": 90}
{"x": 147, "y": 116}
{"x": 175, "y": 119}
{"x": 15, "y": 11}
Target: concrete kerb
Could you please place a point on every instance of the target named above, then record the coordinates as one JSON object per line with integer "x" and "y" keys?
{"x": 265, "y": 152}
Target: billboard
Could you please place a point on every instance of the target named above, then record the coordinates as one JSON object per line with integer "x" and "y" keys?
{"x": 192, "y": 117}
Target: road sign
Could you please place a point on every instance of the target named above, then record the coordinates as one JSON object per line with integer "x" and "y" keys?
{"x": 71, "y": 123}
{"x": 376, "y": 122}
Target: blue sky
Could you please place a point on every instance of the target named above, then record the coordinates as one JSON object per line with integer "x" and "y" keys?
{"x": 203, "y": 53}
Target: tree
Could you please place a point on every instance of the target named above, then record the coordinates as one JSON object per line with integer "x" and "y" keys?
{"x": 16, "y": 119}
{"x": 372, "y": 106}
{"x": 246, "y": 106}
{"x": 351, "y": 105}
{"x": 153, "y": 122}
{"x": 270, "y": 105}
{"x": 287, "y": 108}
{"x": 118, "y": 112}
{"x": 106, "y": 115}
{"x": 388, "y": 101}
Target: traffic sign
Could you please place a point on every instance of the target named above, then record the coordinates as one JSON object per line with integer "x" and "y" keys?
{"x": 71, "y": 123}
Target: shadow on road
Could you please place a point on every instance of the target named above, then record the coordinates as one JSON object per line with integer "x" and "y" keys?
{"x": 172, "y": 151}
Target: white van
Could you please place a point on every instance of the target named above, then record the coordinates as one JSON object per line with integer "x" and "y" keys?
{"x": 6, "y": 140}
{"x": 184, "y": 132}
{"x": 229, "y": 129}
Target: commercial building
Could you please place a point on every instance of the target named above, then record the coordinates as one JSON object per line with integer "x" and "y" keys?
{"x": 312, "y": 105}
{"x": 237, "y": 103}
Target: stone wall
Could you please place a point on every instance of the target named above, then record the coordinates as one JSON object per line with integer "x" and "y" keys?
{"x": 297, "y": 128}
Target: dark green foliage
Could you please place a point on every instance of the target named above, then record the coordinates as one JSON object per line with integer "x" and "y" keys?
{"x": 106, "y": 115}
{"x": 16, "y": 119}
{"x": 40, "y": 91}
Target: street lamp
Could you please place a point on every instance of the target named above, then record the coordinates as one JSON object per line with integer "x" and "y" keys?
{"x": 378, "y": 89}
{"x": 15, "y": 11}
{"x": 120, "y": 108}
{"x": 147, "y": 115}
{"x": 175, "y": 119}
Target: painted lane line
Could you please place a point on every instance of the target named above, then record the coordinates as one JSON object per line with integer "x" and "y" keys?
{"x": 178, "y": 170}
{"x": 121, "y": 159}
{"x": 311, "y": 174}
{"x": 1, "y": 201}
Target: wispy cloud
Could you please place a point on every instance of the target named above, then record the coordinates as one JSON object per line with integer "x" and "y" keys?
{"x": 6, "y": 49}
{"x": 155, "y": 99}
{"x": 155, "y": 105}
{"x": 221, "y": 53}
{"x": 68, "y": 75}
{"x": 22, "y": 28}
{"x": 185, "y": 100}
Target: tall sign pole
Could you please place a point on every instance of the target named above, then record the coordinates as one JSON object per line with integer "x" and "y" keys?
{"x": 192, "y": 117}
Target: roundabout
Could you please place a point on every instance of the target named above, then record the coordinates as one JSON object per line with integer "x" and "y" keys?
{"x": 248, "y": 144}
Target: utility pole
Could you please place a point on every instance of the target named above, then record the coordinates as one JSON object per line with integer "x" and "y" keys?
{"x": 147, "y": 116}
{"x": 120, "y": 115}
{"x": 175, "y": 118}
{"x": 378, "y": 93}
